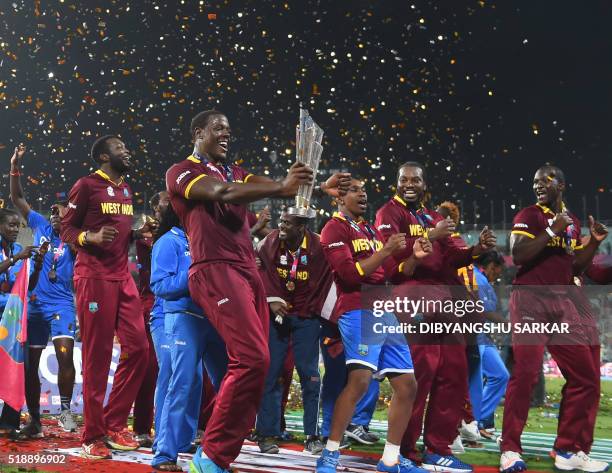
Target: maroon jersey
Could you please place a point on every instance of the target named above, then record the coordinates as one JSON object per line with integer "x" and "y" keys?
{"x": 302, "y": 279}
{"x": 437, "y": 268}
{"x": 143, "y": 255}
{"x": 95, "y": 201}
{"x": 217, "y": 232}
{"x": 600, "y": 270}
{"x": 553, "y": 265}
{"x": 346, "y": 243}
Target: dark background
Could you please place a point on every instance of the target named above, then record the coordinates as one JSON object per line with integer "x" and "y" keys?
{"x": 481, "y": 92}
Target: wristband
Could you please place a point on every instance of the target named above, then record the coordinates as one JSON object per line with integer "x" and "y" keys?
{"x": 550, "y": 232}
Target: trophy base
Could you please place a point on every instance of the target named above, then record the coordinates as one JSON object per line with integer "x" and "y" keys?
{"x": 303, "y": 212}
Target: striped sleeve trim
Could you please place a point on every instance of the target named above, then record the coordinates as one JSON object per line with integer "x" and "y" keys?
{"x": 81, "y": 238}
{"x": 359, "y": 269}
{"x": 522, "y": 232}
{"x": 190, "y": 185}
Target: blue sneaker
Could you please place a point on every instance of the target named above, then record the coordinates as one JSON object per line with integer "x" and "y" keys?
{"x": 402, "y": 466}
{"x": 204, "y": 465}
{"x": 328, "y": 462}
{"x": 450, "y": 463}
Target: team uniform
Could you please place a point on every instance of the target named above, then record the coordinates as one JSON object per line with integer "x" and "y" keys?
{"x": 193, "y": 344}
{"x": 164, "y": 364}
{"x": 302, "y": 280}
{"x": 552, "y": 267}
{"x": 346, "y": 242}
{"x": 107, "y": 302}
{"x": 440, "y": 365}
{"x": 225, "y": 283}
{"x": 51, "y": 307}
{"x": 143, "y": 405}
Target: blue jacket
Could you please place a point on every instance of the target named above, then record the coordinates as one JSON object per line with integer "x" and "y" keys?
{"x": 170, "y": 263}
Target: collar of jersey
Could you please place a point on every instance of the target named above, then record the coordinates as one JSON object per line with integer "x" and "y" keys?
{"x": 339, "y": 216}
{"x": 397, "y": 198}
{"x": 103, "y": 175}
{"x": 545, "y": 209}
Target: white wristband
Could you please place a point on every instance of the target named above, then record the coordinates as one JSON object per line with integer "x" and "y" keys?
{"x": 550, "y": 232}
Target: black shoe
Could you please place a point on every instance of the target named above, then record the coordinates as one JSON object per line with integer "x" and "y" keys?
{"x": 313, "y": 445}
{"x": 267, "y": 445}
{"x": 358, "y": 433}
{"x": 375, "y": 438}
{"x": 32, "y": 430}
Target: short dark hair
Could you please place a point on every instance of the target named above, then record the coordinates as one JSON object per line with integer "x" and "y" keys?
{"x": 6, "y": 213}
{"x": 489, "y": 257}
{"x": 412, "y": 164}
{"x": 100, "y": 146}
{"x": 554, "y": 170}
{"x": 202, "y": 118}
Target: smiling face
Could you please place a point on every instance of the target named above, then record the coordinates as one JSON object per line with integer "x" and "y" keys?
{"x": 9, "y": 229}
{"x": 290, "y": 228}
{"x": 117, "y": 155}
{"x": 213, "y": 139}
{"x": 411, "y": 185}
{"x": 355, "y": 200}
{"x": 547, "y": 187}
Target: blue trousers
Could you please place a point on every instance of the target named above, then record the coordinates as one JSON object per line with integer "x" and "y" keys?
{"x": 162, "y": 350}
{"x": 334, "y": 380}
{"x": 194, "y": 345}
{"x": 485, "y": 396}
{"x": 304, "y": 335}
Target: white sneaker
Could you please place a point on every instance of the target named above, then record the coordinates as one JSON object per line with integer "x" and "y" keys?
{"x": 457, "y": 446}
{"x": 470, "y": 432}
{"x": 568, "y": 461}
{"x": 511, "y": 462}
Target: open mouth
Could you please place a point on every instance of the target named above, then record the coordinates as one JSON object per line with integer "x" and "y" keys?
{"x": 363, "y": 204}
{"x": 540, "y": 194}
{"x": 127, "y": 160}
{"x": 223, "y": 144}
{"x": 410, "y": 194}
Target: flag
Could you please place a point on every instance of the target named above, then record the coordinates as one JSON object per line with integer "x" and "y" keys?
{"x": 13, "y": 336}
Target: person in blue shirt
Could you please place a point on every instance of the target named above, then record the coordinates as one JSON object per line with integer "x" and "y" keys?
{"x": 11, "y": 262}
{"x": 51, "y": 309}
{"x": 194, "y": 345}
{"x": 485, "y": 397}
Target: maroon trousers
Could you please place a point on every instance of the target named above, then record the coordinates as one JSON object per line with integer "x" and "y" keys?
{"x": 105, "y": 308}
{"x": 143, "y": 405}
{"x": 576, "y": 360}
{"x": 233, "y": 299}
{"x": 441, "y": 372}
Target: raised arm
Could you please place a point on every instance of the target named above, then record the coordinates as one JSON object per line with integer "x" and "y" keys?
{"x": 17, "y": 196}
{"x": 525, "y": 246}
{"x": 584, "y": 254}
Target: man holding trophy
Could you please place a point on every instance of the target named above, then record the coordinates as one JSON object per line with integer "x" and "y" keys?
{"x": 209, "y": 194}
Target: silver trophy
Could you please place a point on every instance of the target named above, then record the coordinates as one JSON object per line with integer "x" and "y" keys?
{"x": 308, "y": 151}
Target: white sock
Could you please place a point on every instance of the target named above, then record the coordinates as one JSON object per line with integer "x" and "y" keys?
{"x": 390, "y": 454}
{"x": 333, "y": 446}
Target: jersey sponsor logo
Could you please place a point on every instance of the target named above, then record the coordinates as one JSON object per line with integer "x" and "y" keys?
{"x": 182, "y": 176}
{"x": 363, "y": 244}
{"x": 283, "y": 260}
{"x": 43, "y": 239}
{"x": 521, "y": 225}
{"x": 93, "y": 307}
{"x": 335, "y": 244}
{"x": 115, "y": 208}
{"x": 384, "y": 226}
{"x": 222, "y": 301}
{"x": 71, "y": 205}
{"x": 110, "y": 191}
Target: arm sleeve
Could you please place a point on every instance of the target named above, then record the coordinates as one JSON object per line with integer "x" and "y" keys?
{"x": 78, "y": 203}
{"x": 336, "y": 241}
{"x": 389, "y": 223}
{"x": 166, "y": 280}
{"x": 36, "y": 220}
{"x": 525, "y": 224}
{"x": 267, "y": 271}
{"x": 458, "y": 254}
{"x": 180, "y": 179}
